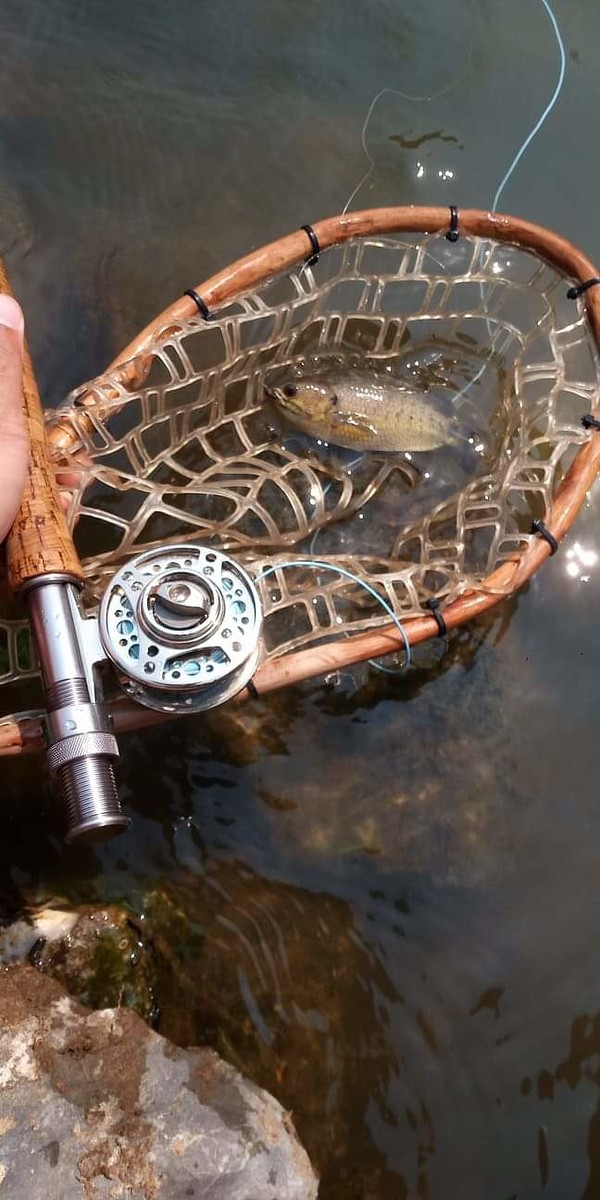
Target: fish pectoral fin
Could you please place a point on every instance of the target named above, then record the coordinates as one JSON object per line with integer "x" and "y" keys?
{"x": 344, "y": 422}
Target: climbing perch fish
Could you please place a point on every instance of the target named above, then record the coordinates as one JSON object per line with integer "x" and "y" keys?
{"x": 363, "y": 410}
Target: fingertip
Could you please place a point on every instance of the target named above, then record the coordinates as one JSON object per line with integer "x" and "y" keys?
{"x": 11, "y": 315}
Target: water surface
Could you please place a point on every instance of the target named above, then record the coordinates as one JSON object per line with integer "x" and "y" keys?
{"x": 386, "y": 891}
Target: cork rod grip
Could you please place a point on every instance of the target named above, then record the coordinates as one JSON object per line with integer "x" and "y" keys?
{"x": 39, "y": 542}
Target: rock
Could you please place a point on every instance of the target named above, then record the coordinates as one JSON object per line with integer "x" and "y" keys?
{"x": 43, "y": 926}
{"x": 105, "y": 956}
{"x": 95, "y": 1106}
{"x": 99, "y": 956}
{"x": 284, "y": 986}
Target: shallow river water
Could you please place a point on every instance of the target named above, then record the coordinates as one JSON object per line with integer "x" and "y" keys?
{"x": 385, "y": 891}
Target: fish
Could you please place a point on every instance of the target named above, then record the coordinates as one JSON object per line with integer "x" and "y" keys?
{"x": 364, "y": 410}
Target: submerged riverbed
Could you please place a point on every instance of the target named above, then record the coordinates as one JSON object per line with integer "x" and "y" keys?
{"x": 376, "y": 896}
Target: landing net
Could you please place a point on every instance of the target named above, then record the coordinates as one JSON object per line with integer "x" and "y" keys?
{"x": 176, "y": 443}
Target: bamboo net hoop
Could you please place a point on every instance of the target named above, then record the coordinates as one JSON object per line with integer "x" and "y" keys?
{"x": 171, "y": 442}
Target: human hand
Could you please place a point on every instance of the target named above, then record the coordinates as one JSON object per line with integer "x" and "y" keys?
{"x": 14, "y": 445}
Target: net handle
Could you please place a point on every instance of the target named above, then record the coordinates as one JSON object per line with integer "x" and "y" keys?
{"x": 39, "y": 542}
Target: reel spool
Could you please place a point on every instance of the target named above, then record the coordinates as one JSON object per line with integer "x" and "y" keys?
{"x": 182, "y": 626}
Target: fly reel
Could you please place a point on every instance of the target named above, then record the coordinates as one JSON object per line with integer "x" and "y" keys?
{"x": 181, "y": 625}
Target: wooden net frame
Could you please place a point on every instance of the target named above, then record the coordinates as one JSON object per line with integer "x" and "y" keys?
{"x": 554, "y": 479}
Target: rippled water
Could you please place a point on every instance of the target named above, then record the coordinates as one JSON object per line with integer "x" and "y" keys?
{"x": 380, "y": 897}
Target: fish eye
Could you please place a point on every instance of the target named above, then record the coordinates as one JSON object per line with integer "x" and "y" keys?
{"x": 290, "y": 389}
{"x": 334, "y": 398}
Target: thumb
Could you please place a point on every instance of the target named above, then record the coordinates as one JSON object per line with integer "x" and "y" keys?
{"x": 14, "y": 449}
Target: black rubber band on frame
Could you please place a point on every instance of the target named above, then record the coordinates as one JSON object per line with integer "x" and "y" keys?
{"x": 589, "y": 421}
{"x": 580, "y": 288}
{"x": 434, "y": 607}
{"x": 538, "y": 526}
{"x": 314, "y": 245}
{"x": 252, "y": 690}
{"x": 201, "y": 304}
{"x": 452, "y": 234}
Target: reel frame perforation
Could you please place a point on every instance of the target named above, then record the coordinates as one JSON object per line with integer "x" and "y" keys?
{"x": 181, "y": 625}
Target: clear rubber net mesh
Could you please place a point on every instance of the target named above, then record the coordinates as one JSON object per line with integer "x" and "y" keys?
{"x": 194, "y": 452}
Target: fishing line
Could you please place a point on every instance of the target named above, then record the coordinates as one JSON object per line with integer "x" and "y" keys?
{"x": 522, "y": 150}
{"x": 371, "y": 661}
{"x": 546, "y": 113}
{"x": 516, "y": 159}
{"x": 404, "y": 96}
{"x": 449, "y": 87}
{"x": 318, "y": 565}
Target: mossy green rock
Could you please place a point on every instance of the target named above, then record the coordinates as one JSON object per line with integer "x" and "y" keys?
{"x": 102, "y": 961}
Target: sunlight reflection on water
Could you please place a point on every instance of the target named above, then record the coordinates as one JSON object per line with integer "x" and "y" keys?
{"x": 384, "y": 895}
